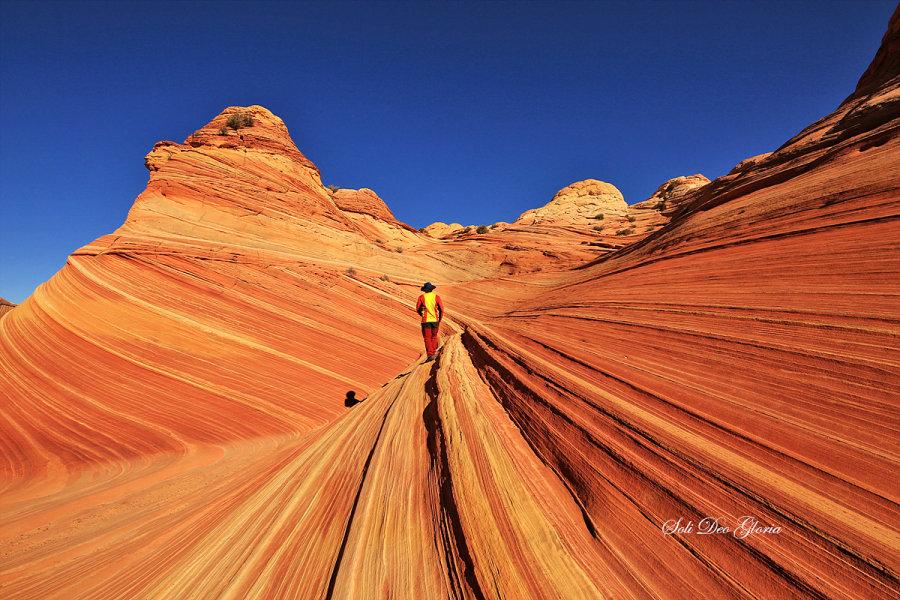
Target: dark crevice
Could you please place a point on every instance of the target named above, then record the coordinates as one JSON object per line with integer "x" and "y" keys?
{"x": 337, "y": 563}
{"x": 478, "y": 346}
{"x": 451, "y": 530}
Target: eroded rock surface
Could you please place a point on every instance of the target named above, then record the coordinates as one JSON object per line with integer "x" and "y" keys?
{"x": 171, "y": 402}
{"x": 579, "y": 202}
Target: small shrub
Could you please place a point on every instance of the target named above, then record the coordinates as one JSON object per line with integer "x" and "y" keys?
{"x": 598, "y": 227}
{"x": 494, "y": 226}
{"x": 223, "y": 131}
{"x": 651, "y": 228}
{"x": 238, "y": 120}
{"x": 661, "y": 205}
{"x": 385, "y": 277}
{"x": 482, "y": 229}
{"x": 600, "y": 216}
{"x": 332, "y": 187}
{"x": 625, "y": 232}
{"x": 631, "y": 218}
{"x": 379, "y": 241}
{"x": 399, "y": 249}
{"x": 351, "y": 271}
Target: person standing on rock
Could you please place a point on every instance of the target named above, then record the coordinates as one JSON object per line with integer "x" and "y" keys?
{"x": 431, "y": 309}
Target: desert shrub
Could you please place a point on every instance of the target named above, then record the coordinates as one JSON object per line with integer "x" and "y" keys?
{"x": 238, "y": 120}
{"x": 379, "y": 241}
{"x": 661, "y": 205}
{"x": 598, "y": 227}
{"x": 332, "y": 187}
{"x": 351, "y": 271}
{"x": 223, "y": 131}
{"x": 482, "y": 229}
{"x": 399, "y": 249}
{"x": 600, "y": 216}
{"x": 651, "y": 228}
{"x": 628, "y": 231}
{"x": 631, "y": 218}
{"x": 385, "y": 277}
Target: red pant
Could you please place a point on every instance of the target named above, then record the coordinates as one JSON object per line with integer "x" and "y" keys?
{"x": 430, "y": 335}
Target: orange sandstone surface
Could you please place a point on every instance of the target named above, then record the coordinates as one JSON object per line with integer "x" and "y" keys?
{"x": 171, "y": 402}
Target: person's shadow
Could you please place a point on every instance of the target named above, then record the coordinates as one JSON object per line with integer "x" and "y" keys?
{"x": 351, "y": 399}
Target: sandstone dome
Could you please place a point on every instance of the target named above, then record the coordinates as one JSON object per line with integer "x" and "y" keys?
{"x": 579, "y": 202}
{"x": 674, "y": 191}
{"x": 441, "y": 229}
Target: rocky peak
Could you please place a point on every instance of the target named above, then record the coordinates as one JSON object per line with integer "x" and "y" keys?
{"x": 579, "y": 202}
{"x": 253, "y": 128}
{"x": 674, "y": 191}
{"x": 363, "y": 201}
{"x": 440, "y": 229}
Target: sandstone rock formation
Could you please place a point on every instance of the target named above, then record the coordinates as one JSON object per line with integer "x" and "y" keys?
{"x": 579, "y": 202}
{"x": 363, "y": 201}
{"x": 670, "y": 194}
{"x": 440, "y": 229}
{"x": 374, "y": 219}
{"x": 171, "y": 416}
{"x": 5, "y": 306}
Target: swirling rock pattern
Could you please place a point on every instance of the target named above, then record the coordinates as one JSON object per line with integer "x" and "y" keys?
{"x": 171, "y": 414}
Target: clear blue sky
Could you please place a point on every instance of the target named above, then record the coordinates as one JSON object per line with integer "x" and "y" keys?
{"x": 454, "y": 112}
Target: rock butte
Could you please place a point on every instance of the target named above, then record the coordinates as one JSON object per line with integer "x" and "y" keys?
{"x": 171, "y": 401}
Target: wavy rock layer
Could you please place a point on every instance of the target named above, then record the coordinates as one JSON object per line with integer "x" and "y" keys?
{"x": 171, "y": 406}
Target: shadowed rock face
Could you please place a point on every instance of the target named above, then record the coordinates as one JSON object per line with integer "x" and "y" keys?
{"x": 172, "y": 413}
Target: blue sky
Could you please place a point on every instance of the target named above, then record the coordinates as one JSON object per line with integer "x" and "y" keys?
{"x": 454, "y": 112}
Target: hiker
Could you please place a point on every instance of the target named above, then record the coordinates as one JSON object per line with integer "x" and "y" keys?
{"x": 431, "y": 309}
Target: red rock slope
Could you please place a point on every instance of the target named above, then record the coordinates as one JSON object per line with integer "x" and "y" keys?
{"x": 171, "y": 412}
{"x": 741, "y": 361}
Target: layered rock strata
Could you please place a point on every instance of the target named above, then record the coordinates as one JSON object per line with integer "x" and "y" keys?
{"x": 171, "y": 416}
